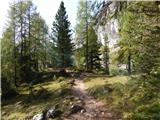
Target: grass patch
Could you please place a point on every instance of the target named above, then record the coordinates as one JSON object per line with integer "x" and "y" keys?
{"x": 136, "y": 97}
{"x": 92, "y": 81}
{"x": 107, "y": 88}
{"x": 46, "y": 95}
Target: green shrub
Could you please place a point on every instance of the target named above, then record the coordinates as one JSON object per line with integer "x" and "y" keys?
{"x": 147, "y": 112}
{"x": 60, "y": 79}
{"x": 118, "y": 71}
{"x": 64, "y": 85}
{"x": 143, "y": 93}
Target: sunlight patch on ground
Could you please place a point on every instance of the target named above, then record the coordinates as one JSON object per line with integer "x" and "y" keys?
{"x": 51, "y": 85}
{"x": 23, "y": 105}
{"x": 92, "y": 81}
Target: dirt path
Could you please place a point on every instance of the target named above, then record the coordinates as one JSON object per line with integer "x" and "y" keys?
{"x": 94, "y": 109}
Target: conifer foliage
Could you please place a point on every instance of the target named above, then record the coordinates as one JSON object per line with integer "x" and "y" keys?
{"x": 24, "y": 45}
{"x": 61, "y": 35}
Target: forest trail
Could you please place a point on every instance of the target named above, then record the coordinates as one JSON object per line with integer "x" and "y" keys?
{"x": 94, "y": 109}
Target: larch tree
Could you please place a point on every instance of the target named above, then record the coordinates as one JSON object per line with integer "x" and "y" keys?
{"x": 86, "y": 53}
{"x": 93, "y": 50}
{"x": 21, "y": 36}
{"x": 139, "y": 43}
{"x": 7, "y": 61}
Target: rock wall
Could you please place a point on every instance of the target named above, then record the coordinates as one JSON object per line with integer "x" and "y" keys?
{"x": 109, "y": 30}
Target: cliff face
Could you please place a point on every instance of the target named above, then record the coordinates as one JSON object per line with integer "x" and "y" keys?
{"x": 109, "y": 30}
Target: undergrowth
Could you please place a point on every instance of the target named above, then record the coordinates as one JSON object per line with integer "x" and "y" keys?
{"x": 138, "y": 98}
{"x": 45, "y": 95}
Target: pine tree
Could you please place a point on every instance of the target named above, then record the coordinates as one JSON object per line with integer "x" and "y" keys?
{"x": 61, "y": 35}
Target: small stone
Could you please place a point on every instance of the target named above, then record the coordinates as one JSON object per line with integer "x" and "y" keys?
{"x": 50, "y": 113}
{"x": 19, "y": 103}
{"x": 83, "y": 110}
{"x": 79, "y": 101}
{"x": 102, "y": 113}
{"x": 71, "y": 103}
{"x": 53, "y": 113}
{"x": 109, "y": 114}
{"x": 76, "y": 98}
{"x": 69, "y": 97}
{"x": 87, "y": 114}
{"x": 95, "y": 115}
{"x": 38, "y": 117}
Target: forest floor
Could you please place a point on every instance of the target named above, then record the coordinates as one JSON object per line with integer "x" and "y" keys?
{"x": 94, "y": 109}
{"x": 57, "y": 91}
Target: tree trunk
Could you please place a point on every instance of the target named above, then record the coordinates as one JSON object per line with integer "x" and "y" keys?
{"x": 29, "y": 42}
{"x": 86, "y": 38}
{"x": 106, "y": 53}
{"x": 22, "y": 47}
{"x": 107, "y": 62}
{"x": 14, "y": 42}
{"x": 45, "y": 56}
{"x": 129, "y": 63}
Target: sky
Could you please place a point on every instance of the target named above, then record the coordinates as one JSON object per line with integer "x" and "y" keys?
{"x": 47, "y": 9}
